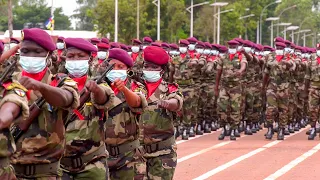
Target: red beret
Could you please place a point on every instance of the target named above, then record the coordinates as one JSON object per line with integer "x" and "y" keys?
{"x": 233, "y": 42}
{"x": 14, "y": 40}
{"x": 156, "y": 55}
{"x": 1, "y": 47}
{"x": 81, "y": 44}
{"x": 136, "y": 41}
{"x": 114, "y": 45}
{"x": 60, "y": 38}
{"x": 208, "y": 45}
{"x": 174, "y": 46}
{"x": 200, "y": 43}
{"x": 192, "y": 40}
{"x": 304, "y": 49}
{"x": 248, "y": 43}
{"x": 287, "y": 42}
{"x": 165, "y": 45}
{"x": 40, "y": 37}
{"x": 240, "y": 41}
{"x": 147, "y": 39}
{"x": 280, "y": 44}
{"x": 259, "y": 47}
{"x": 121, "y": 55}
{"x": 223, "y": 49}
{"x": 124, "y": 47}
{"x": 156, "y": 44}
{"x": 183, "y": 41}
{"x": 298, "y": 48}
{"x": 313, "y": 50}
{"x": 267, "y": 48}
{"x": 293, "y": 46}
{"x": 94, "y": 40}
{"x": 279, "y": 39}
{"x": 103, "y": 45}
{"x": 105, "y": 40}
{"x": 129, "y": 47}
{"x": 216, "y": 46}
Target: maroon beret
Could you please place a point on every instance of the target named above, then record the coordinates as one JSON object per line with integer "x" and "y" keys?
{"x": 304, "y": 50}
{"x": 267, "y": 48}
{"x": 200, "y": 43}
{"x": 240, "y": 41}
{"x": 81, "y": 44}
{"x": 165, "y": 45}
{"x": 259, "y": 47}
{"x": 14, "y": 40}
{"x": 216, "y": 46}
{"x": 121, "y": 55}
{"x": 94, "y": 40}
{"x": 298, "y": 48}
{"x": 280, "y": 44}
{"x": 1, "y": 47}
{"x": 60, "y": 38}
{"x": 105, "y": 40}
{"x": 248, "y": 43}
{"x": 293, "y": 46}
{"x": 129, "y": 47}
{"x": 279, "y": 39}
{"x": 208, "y": 45}
{"x": 156, "y": 55}
{"x": 192, "y": 40}
{"x": 114, "y": 45}
{"x": 183, "y": 41}
{"x": 173, "y": 46}
{"x": 287, "y": 42}
{"x": 223, "y": 49}
{"x": 136, "y": 41}
{"x": 233, "y": 42}
{"x": 156, "y": 44}
{"x": 103, "y": 45}
{"x": 39, "y": 36}
{"x": 147, "y": 39}
{"x": 313, "y": 50}
{"x": 124, "y": 47}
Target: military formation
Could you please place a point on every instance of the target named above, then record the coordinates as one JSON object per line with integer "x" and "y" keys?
{"x": 73, "y": 108}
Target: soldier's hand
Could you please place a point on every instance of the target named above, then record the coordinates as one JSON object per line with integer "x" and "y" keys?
{"x": 163, "y": 104}
{"x": 92, "y": 86}
{"x": 119, "y": 85}
{"x": 30, "y": 83}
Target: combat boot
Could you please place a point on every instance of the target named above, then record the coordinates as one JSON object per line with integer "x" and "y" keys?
{"x": 258, "y": 126}
{"x": 176, "y": 132}
{"x": 254, "y": 128}
{"x": 312, "y": 134}
{"x": 276, "y": 127}
{"x": 191, "y": 131}
{"x": 228, "y": 130}
{"x": 291, "y": 130}
{"x": 286, "y": 131}
{"x": 232, "y": 135}
{"x": 207, "y": 128}
{"x": 236, "y": 132}
{"x": 199, "y": 130}
{"x": 185, "y": 135}
{"x": 241, "y": 127}
{"x": 213, "y": 126}
{"x": 248, "y": 130}
{"x": 270, "y": 132}
{"x": 303, "y": 123}
{"x": 297, "y": 126}
{"x": 223, "y": 134}
{"x": 280, "y": 134}
{"x": 203, "y": 125}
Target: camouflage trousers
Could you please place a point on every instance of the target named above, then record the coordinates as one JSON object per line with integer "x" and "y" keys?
{"x": 229, "y": 105}
{"x": 188, "y": 110}
{"x": 42, "y": 178}
{"x": 97, "y": 171}
{"x": 277, "y": 106}
{"x": 195, "y": 104}
{"x": 128, "y": 166}
{"x": 293, "y": 100}
{"x": 301, "y": 103}
{"x": 253, "y": 102}
{"x": 201, "y": 102}
{"x": 314, "y": 104}
{"x": 7, "y": 173}
{"x": 162, "y": 167}
{"x": 210, "y": 106}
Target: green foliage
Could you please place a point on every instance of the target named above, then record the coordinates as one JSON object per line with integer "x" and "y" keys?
{"x": 84, "y": 14}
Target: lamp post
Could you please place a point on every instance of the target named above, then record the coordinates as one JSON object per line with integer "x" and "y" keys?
{"x": 286, "y": 9}
{"x": 217, "y": 15}
{"x": 292, "y": 29}
{"x": 190, "y": 10}
{"x": 304, "y": 31}
{"x": 157, "y": 3}
{"x": 301, "y": 24}
{"x": 271, "y": 35}
{"x": 245, "y": 17}
{"x": 283, "y": 24}
{"x": 260, "y": 34}
{"x": 219, "y": 5}
{"x": 116, "y": 22}
{"x": 138, "y": 19}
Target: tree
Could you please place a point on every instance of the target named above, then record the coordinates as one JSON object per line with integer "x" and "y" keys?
{"x": 83, "y": 13}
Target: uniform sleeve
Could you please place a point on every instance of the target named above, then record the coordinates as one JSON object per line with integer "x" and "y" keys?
{"x": 141, "y": 91}
{"x": 267, "y": 68}
{"x": 244, "y": 59}
{"x": 308, "y": 72}
{"x": 219, "y": 64}
{"x": 72, "y": 87}
{"x": 109, "y": 93}
{"x": 176, "y": 94}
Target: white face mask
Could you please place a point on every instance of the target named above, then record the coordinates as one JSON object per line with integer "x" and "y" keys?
{"x": 115, "y": 74}
{"x": 172, "y": 53}
{"x": 152, "y": 76}
{"x": 199, "y": 50}
{"x": 135, "y": 49}
{"x": 177, "y": 53}
{"x": 279, "y": 52}
{"x": 287, "y": 50}
{"x": 298, "y": 53}
{"x": 232, "y": 51}
{"x": 214, "y": 52}
{"x": 102, "y": 55}
{"x": 77, "y": 68}
{"x": 206, "y": 51}
{"x": 247, "y": 49}
{"x": 318, "y": 53}
{"x": 60, "y": 45}
{"x": 239, "y": 48}
{"x": 183, "y": 49}
{"x": 33, "y": 65}
{"x": 266, "y": 53}
{"x": 191, "y": 47}
{"x": 308, "y": 56}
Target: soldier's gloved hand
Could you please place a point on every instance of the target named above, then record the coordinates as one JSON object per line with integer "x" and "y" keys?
{"x": 92, "y": 86}
{"x": 30, "y": 83}
{"x": 119, "y": 85}
{"x": 163, "y": 104}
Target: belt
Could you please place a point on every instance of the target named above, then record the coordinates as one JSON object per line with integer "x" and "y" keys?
{"x": 4, "y": 162}
{"x": 33, "y": 169}
{"x": 123, "y": 148}
{"x": 185, "y": 82}
{"x": 165, "y": 144}
{"x": 77, "y": 162}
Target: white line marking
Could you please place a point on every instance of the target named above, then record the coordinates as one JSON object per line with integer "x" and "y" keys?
{"x": 198, "y": 136}
{"x": 293, "y": 163}
{"x": 241, "y": 158}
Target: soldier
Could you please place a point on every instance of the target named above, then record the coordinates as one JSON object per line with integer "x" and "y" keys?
{"x": 173, "y": 51}
{"x": 165, "y": 46}
{"x": 59, "y": 58}
{"x": 136, "y": 50}
{"x": 192, "y": 46}
{"x": 95, "y": 41}
{"x": 122, "y": 120}
{"x": 124, "y": 47}
{"x": 129, "y": 50}
{"x": 146, "y": 41}
{"x": 163, "y": 99}
{"x": 114, "y": 45}
{"x": 104, "y": 40}
{"x": 41, "y": 146}
{"x": 278, "y": 72}
{"x": 230, "y": 72}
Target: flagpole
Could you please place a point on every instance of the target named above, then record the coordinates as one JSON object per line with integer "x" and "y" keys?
{"x": 52, "y": 25}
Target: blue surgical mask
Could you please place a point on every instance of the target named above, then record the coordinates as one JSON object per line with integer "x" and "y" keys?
{"x": 232, "y": 51}
{"x": 247, "y": 49}
{"x": 117, "y": 74}
{"x": 60, "y": 45}
{"x": 199, "y": 50}
{"x": 183, "y": 49}
{"x": 192, "y": 47}
{"x": 206, "y": 51}
{"x": 135, "y": 49}
{"x": 152, "y": 76}
{"x": 33, "y": 65}
{"x": 102, "y": 55}
{"x": 214, "y": 52}
{"x": 77, "y": 68}
{"x": 279, "y": 52}
{"x": 172, "y": 53}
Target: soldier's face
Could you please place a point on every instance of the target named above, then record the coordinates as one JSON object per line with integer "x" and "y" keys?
{"x": 32, "y": 49}
{"x": 118, "y": 65}
{"x": 149, "y": 66}
{"x": 76, "y": 54}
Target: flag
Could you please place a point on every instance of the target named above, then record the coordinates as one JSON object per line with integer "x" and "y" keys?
{"x": 50, "y": 23}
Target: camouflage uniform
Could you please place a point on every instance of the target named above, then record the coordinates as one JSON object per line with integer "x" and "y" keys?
{"x": 138, "y": 62}
{"x": 40, "y": 149}
{"x": 57, "y": 63}
{"x": 122, "y": 132}
{"x": 86, "y": 156}
{"x": 15, "y": 93}
{"x": 159, "y": 141}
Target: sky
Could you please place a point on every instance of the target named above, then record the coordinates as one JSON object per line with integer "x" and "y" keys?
{"x": 68, "y": 7}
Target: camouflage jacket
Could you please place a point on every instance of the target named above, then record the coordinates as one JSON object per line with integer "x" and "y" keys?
{"x": 138, "y": 61}
{"x": 183, "y": 70}
{"x": 56, "y": 61}
{"x": 198, "y": 67}
{"x": 15, "y": 93}
{"x": 210, "y": 70}
{"x": 253, "y": 72}
{"x": 44, "y": 142}
{"x": 313, "y": 73}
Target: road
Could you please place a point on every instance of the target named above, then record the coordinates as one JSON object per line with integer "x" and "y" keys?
{"x": 248, "y": 158}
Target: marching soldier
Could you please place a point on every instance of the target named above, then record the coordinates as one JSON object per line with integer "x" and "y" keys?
{"x": 146, "y": 41}
{"x": 192, "y": 46}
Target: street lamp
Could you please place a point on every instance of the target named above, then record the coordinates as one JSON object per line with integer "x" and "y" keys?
{"x": 271, "y": 35}
{"x": 217, "y": 16}
{"x": 245, "y": 17}
{"x": 260, "y": 34}
{"x": 191, "y": 15}
{"x": 304, "y": 20}
{"x": 219, "y": 5}
{"x": 304, "y": 31}
{"x": 286, "y": 9}
{"x": 158, "y": 24}
{"x": 292, "y": 29}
